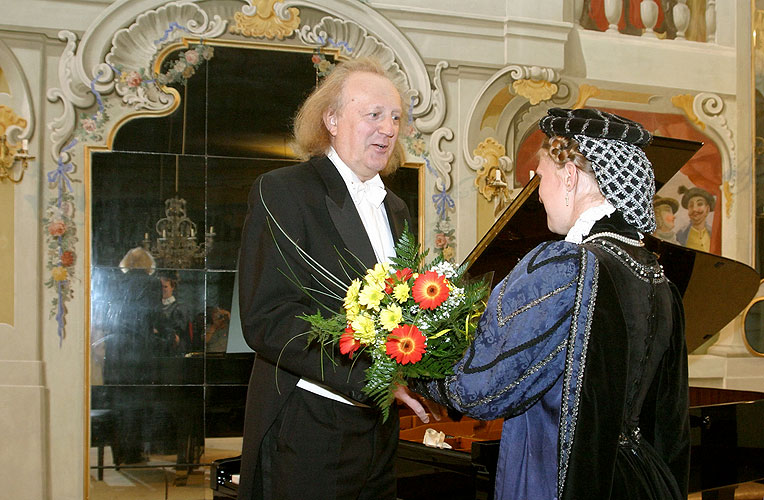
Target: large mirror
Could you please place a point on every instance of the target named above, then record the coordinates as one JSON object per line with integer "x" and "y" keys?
{"x": 169, "y": 368}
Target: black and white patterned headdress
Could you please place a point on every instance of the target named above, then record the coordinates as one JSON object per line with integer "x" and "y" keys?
{"x": 612, "y": 144}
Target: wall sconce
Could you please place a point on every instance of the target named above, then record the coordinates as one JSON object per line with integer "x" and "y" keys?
{"x": 9, "y": 156}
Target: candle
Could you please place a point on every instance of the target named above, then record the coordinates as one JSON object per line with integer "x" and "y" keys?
{"x": 24, "y": 145}
{"x": 192, "y": 232}
{"x": 212, "y": 229}
{"x": 164, "y": 233}
{"x": 498, "y": 174}
{"x": 145, "y": 236}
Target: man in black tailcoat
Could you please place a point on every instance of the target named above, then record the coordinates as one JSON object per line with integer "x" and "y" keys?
{"x": 310, "y": 432}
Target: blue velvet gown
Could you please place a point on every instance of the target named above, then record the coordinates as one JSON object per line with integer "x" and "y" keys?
{"x": 581, "y": 349}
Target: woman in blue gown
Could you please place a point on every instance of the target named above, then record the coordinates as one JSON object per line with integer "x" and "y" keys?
{"x": 581, "y": 348}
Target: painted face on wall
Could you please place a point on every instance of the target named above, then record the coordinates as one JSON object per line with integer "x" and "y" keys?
{"x": 167, "y": 288}
{"x": 665, "y": 218}
{"x": 552, "y": 194}
{"x": 697, "y": 210}
{"x": 365, "y": 130}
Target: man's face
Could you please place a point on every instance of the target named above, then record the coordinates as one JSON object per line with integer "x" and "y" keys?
{"x": 697, "y": 210}
{"x": 167, "y": 288}
{"x": 364, "y": 131}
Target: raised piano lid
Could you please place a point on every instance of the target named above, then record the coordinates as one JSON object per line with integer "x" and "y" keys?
{"x": 714, "y": 289}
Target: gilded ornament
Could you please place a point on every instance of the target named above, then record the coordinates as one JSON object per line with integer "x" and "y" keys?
{"x": 729, "y": 198}
{"x": 491, "y": 179}
{"x": 585, "y": 92}
{"x": 8, "y": 118}
{"x": 685, "y": 103}
{"x": 265, "y": 22}
{"x": 535, "y": 91}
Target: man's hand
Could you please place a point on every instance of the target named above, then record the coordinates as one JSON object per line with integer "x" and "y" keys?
{"x": 415, "y": 403}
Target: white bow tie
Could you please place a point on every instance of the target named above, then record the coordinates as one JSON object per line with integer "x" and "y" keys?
{"x": 372, "y": 191}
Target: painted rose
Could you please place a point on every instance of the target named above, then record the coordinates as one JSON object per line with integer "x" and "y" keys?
{"x": 448, "y": 253}
{"x": 133, "y": 79}
{"x": 418, "y": 146}
{"x": 315, "y": 59}
{"x": 441, "y": 240}
{"x": 57, "y": 228}
{"x": 67, "y": 209}
{"x": 67, "y": 258}
{"x": 324, "y": 66}
{"x": 188, "y": 72}
{"x": 180, "y": 65}
{"x": 88, "y": 124}
{"x": 59, "y": 273}
{"x": 192, "y": 56}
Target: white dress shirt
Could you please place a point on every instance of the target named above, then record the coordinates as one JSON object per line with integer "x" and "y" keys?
{"x": 368, "y": 198}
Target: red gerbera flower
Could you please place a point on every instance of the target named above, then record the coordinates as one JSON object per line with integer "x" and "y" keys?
{"x": 405, "y": 344}
{"x": 401, "y": 276}
{"x": 430, "y": 290}
{"x": 348, "y": 342}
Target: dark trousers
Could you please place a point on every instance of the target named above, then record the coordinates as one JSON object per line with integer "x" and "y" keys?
{"x": 320, "y": 449}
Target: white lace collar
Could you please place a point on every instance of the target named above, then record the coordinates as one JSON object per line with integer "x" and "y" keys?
{"x": 586, "y": 220}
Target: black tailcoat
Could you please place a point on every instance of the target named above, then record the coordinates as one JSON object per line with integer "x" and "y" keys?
{"x": 310, "y": 205}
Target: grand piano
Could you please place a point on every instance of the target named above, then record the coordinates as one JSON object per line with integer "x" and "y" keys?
{"x": 726, "y": 430}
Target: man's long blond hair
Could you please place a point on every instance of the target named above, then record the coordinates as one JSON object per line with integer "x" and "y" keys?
{"x": 311, "y": 135}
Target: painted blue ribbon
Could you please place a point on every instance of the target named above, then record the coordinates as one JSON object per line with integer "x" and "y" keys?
{"x": 171, "y": 27}
{"x": 442, "y": 202}
{"x": 61, "y": 174}
{"x": 331, "y": 42}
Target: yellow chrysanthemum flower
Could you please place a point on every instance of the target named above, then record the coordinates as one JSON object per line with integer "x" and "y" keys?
{"x": 351, "y": 297}
{"x": 401, "y": 292}
{"x": 390, "y": 317}
{"x": 378, "y": 274}
{"x": 363, "y": 326}
{"x": 352, "y": 311}
{"x": 371, "y": 295}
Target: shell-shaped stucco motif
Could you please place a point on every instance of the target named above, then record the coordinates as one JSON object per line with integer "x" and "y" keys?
{"x": 135, "y": 47}
{"x": 353, "y": 41}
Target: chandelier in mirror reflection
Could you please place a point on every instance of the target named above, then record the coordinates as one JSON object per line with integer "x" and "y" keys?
{"x": 176, "y": 244}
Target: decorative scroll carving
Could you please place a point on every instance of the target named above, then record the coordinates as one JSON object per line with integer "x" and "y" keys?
{"x": 491, "y": 179}
{"x": 437, "y": 113}
{"x": 531, "y": 77}
{"x": 685, "y": 102}
{"x": 709, "y": 108}
{"x": 441, "y": 160}
{"x": 352, "y": 40}
{"x": 135, "y": 47}
{"x": 263, "y": 19}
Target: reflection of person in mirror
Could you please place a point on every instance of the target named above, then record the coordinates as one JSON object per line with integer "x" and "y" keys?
{"x": 699, "y": 203}
{"x": 310, "y": 431}
{"x": 171, "y": 332}
{"x": 581, "y": 348}
{"x": 127, "y": 349}
{"x": 665, "y": 215}
{"x": 216, "y": 332}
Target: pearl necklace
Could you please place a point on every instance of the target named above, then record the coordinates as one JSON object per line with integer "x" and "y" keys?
{"x": 615, "y": 236}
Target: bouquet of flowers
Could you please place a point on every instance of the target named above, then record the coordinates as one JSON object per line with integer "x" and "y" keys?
{"x": 414, "y": 320}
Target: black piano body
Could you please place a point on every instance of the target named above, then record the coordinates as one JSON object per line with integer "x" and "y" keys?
{"x": 726, "y": 426}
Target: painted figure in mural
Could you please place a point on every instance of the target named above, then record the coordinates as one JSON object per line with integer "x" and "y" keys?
{"x": 699, "y": 203}
{"x": 581, "y": 347}
{"x": 311, "y": 432}
{"x": 665, "y": 216}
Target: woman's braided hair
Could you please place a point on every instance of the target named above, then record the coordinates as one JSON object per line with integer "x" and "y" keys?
{"x": 565, "y": 149}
